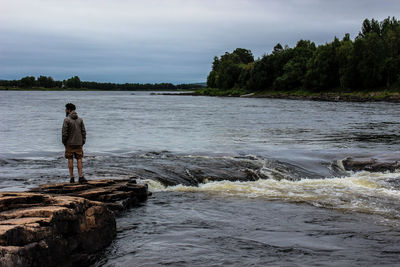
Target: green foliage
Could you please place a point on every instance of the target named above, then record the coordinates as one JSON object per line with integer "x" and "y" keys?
{"x": 268, "y": 68}
{"x": 43, "y": 83}
{"x": 27, "y": 82}
{"x": 369, "y": 57}
{"x": 371, "y": 61}
{"x": 323, "y": 68}
{"x": 218, "y": 92}
{"x": 295, "y": 69}
{"x": 245, "y": 56}
{"x": 73, "y": 82}
{"x": 188, "y": 86}
{"x": 227, "y": 70}
{"x": 46, "y": 82}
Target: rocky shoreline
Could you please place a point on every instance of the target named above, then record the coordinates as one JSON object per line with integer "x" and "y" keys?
{"x": 63, "y": 224}
{"x": 331, "y": 97}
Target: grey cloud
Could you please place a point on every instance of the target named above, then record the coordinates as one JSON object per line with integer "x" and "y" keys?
{"x": 157, "y": 40}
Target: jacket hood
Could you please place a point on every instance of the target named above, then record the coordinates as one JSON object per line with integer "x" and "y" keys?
{"x": 73, "y": 115}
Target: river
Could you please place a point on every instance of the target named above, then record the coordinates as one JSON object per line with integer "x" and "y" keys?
{"x": 235, "y": 181}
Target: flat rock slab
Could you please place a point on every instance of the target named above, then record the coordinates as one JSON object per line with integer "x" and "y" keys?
{"x": 117, "y": 195}
{"x": 63, "y": 224}
{"x": 44, "y": 230}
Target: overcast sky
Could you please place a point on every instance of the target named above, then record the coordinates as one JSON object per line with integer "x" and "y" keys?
{"x": 162, "y": 40}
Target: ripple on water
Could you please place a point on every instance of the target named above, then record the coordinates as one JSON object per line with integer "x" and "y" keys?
{"x": 198, "y": 229}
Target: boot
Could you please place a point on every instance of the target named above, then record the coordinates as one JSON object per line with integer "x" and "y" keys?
{"x": 82, "y": 180}
{"x": 72, "y": 180}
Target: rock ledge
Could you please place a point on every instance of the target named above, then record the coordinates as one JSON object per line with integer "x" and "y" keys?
{"x": 63, "y": 224}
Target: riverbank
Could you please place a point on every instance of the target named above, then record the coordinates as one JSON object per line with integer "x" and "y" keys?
{"x": 334, "y": 96}
{"x": 2, "y": 88}
{"x": 5, "y": 88}
{"x": 337, "y": 96}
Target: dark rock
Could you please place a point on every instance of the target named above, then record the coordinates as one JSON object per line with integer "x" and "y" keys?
{"x": 371, "y": 165}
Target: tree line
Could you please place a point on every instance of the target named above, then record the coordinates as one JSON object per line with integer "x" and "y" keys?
{"x": 370, "y": 61}
{"x": 76, "y": 83}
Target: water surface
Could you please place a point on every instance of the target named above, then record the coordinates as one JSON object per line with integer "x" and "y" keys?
{"x": 235, "y": 181}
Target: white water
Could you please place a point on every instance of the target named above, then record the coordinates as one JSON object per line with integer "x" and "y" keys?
{"x": 364, "y": 192}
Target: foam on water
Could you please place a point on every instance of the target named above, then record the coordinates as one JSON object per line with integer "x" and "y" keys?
{"x": 364, "y": 192}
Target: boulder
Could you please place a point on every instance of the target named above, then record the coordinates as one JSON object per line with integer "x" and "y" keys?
{"x": 63, "y": 224}
{"x": 44, "y": 230}
{"x": 370, "y": 164}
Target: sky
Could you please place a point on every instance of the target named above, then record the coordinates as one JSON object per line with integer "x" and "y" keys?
{"x": 150, "y": 41}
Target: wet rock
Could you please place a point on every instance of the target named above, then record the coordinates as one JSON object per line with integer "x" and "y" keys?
{"x": 117, "y": 195}
{"x": 45, "y": 230}
{"x": 63, "y": 224}
{"x": 370, "y": 164}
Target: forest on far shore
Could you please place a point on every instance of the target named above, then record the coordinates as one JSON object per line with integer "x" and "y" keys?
{"x": 47, "y": 82}
{"x": 369, "y": 62}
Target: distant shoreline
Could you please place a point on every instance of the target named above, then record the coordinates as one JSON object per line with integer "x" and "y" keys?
{"x": 359, "y": 96}
{"x": 331, "y": 96}
{"x": 83, "y": 89}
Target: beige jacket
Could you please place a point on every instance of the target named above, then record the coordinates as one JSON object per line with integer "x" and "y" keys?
{"x": 73, "y": 130}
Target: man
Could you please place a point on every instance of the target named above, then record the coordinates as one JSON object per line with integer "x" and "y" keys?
{"x": 73, "y": 138}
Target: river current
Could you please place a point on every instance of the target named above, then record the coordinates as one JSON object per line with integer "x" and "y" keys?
{"x": 235, "y": 181}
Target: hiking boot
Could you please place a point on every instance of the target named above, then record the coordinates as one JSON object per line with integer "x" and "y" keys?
{"x": 72, "y": 180}
{"x": 82, "y": 180}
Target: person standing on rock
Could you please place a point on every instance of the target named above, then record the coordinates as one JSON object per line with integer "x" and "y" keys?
{"x": 73, "y": 138}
